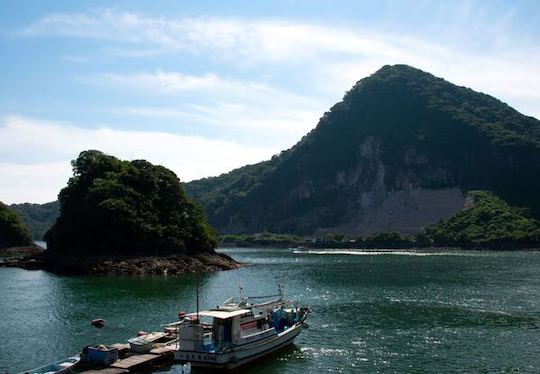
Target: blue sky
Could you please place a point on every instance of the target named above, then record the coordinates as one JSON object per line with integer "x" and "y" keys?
{"x": 205, "y": 87}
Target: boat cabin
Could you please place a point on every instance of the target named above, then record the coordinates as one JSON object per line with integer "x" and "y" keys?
{"x": 229, "y": 326}
{"x": 236, "y": 332}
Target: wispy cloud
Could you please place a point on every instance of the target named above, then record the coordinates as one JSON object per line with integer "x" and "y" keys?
{"x": 261, "y": 41}
{"x": 325, "y": 58}
{"x": 263, "y": 126}
{"x": 175, "y": 83}
{"x": 165, "y": 82}
{"x": 54, "y": 144}
{"x": 75, "y": 59}
{"x": 230, "y": 108}
{"x": 254, "y": 86}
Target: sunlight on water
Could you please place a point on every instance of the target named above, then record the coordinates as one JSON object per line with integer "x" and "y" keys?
{"x": 366, "y": 252}
{"x": 380, "y": 311}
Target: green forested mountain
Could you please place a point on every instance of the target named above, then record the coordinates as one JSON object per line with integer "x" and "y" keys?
{"x": 396, "y": 154}
{"x": 119, "y": 207}
{"x": 38, "y": 217}
{"x": 13, "y": 233}
{"x": 486, "y": 220}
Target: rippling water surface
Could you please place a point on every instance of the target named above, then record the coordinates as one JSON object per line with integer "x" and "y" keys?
{"x": 373, "y": 312}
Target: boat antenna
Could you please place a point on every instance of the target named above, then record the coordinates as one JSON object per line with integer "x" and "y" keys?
{"x": 280, "y": 290}
{"x": 197, "y": 292}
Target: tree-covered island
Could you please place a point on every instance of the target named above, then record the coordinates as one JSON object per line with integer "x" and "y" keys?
{"x": 126, "y": 217}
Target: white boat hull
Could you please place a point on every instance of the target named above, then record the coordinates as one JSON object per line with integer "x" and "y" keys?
{"x": 60, "y": 367}
{"x": 241, "y": 354}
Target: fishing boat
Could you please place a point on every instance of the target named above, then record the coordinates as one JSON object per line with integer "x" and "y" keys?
{"x": 238, "y": 332}
{"x": 58, "y": 367}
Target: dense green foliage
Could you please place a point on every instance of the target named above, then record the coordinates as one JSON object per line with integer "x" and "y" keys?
{"x": 118, "y": 207}
{"x": 489, "y": 221}
{"x": 38, "y": 217}
{"x": 13, "y": 233}
{"x": 387, "y": 240}
{"x": 260, "y": 239}
{"x": 400, "y": 128}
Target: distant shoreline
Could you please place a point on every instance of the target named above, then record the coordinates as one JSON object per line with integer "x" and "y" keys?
{"x": 389, "y": 246}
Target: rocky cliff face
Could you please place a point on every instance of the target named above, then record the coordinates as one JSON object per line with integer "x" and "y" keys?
{"x": 396, "y": 154}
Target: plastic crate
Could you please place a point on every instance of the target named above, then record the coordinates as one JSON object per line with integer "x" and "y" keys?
{"x": 101, "y": 356}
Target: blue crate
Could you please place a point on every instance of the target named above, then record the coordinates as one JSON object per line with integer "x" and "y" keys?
{"x": 103, "y": 357}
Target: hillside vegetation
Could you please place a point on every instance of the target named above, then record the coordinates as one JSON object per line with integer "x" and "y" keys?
{"x": 488, "y": 222}
{"x": 38, "y": 217}
{"x": 394, "y": 155}
{"x": 13, "y": 233}
{"x": 126, "y": 207}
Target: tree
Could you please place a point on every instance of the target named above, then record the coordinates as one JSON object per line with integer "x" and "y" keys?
{"x": 119, "y": 207}
{"x": 13, "y": 232}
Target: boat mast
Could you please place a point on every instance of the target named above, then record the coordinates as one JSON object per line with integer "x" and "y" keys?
{"x": 197, "y": 292}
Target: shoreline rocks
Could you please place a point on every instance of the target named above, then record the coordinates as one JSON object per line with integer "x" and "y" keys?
{"x": 28, "y": 250}
{"x": 122, "y": 265}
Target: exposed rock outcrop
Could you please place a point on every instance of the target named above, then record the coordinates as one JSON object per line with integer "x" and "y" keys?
{"x": 397, "y": 154}
{"x": 142, "y": 265}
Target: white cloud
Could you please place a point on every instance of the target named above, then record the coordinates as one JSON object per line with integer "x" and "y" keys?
{"x": 37, "y": 175}
{"x": 228, "y": 108}
{"x": 164, "y": 82}
{"x": 284, "y": 127}
{"x": 326, "y": 59}
{"x": 318, "y": 62}
{"x": 261, "y": 41}
{"x": 211, "y": 85}
{"x": 39, "y": 182}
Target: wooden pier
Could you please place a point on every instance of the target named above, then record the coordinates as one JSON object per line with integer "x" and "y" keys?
{"x": 130, "y": 361}
{"x": 136, "y": 361}
{"x": 106, "y": 371}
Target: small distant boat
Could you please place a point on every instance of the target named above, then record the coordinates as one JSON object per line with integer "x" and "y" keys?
{"x": 58, "y": 367}
{"x": 240, "y": 332}
{"x": 99, "y": 323}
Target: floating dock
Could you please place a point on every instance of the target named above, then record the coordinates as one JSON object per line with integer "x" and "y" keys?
{"x": 106, "y": 371}
{"x": 128, "y": 361}
{"x": 136, "y": 361}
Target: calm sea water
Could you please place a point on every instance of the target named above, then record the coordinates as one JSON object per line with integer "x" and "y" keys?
{"x": 398, "y": 312}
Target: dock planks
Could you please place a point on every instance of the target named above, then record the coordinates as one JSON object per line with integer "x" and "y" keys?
{"x": 106, "y": 371}
{"x": 136, "y": 360}
{"x": 121, "y": 346}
